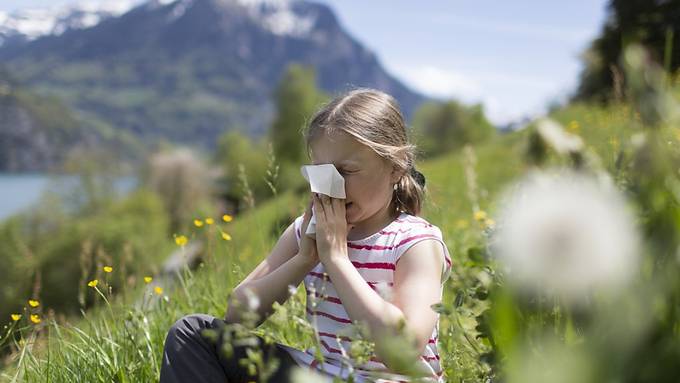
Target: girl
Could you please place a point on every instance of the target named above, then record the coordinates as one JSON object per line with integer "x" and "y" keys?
{"x": 374, "y": 262}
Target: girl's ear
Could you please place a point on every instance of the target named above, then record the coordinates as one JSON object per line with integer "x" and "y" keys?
{"x": 396, "y": 174}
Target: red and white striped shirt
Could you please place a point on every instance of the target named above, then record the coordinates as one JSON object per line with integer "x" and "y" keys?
{"x": 375, "y": 257}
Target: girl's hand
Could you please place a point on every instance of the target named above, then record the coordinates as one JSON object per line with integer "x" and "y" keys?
{"x": 308, "y": 245}
{"x": 331, "y": 227}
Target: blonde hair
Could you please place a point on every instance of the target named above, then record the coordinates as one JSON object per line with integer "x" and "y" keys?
{"x": 374, "y": 119}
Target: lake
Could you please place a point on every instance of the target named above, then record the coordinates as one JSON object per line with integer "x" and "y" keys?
{"x": 20, "y": 191}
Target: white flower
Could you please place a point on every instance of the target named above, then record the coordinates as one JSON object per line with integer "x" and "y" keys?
{"x": 566, "y": 234}
{"x": 253, "y": 300}
{"x": 292, "y": 290}
{"x": 562, "y": 141}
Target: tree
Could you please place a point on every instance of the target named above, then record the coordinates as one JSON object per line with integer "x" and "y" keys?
{"x": 651, "y": 23}
{"x": 240, "y": 157}
{"x": 440, "y": 127}
{"x": 296, "y": 99}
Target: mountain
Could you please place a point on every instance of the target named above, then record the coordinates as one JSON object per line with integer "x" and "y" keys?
{"x": 187, "y": 70}
{"x": 35, "y": 132}
{"x": 39, "y": 133}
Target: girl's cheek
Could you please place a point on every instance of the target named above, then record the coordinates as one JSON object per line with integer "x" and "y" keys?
{"x": 348, "y": 186}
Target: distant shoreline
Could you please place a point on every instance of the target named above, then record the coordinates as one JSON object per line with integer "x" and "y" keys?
{"x": 21, "y": 191}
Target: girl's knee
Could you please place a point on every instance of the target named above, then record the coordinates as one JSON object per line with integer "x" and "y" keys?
{"x": 191, "y": 325}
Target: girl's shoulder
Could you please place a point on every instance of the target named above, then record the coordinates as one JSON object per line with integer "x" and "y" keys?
{"x": 407, "y": 224}
{"x": 408, "y": 220}
{"x": 410, "y": 230}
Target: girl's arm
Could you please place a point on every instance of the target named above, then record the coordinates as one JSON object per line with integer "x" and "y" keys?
{"x": 286, "y": 265}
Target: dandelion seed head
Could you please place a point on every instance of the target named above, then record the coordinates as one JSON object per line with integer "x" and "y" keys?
{"x": 566, "y": 234}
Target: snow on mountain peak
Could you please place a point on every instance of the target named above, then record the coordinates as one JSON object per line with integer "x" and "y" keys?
{"x": 32, "y": 23}
{"x": 278, "y": 17}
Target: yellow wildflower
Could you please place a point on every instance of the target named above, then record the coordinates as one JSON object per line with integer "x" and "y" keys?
{"x": 489, "y": 222}
{"x": 33, "y": 303}
{"x": 226, "y": 236}
{"x": 480, "y": 215}
{"x": 158, "y": 290}
{"x": 108, "y": 269}
{"x": 35, "y": 318}
{"x": 16, "y": 317}
{"x": 93, "y": 283}
{"x": 574, "y": 127}
{"x": 181, "y": 240}
{"x": 614, "y": 142}
{"x": 148, "y": 279}
{"x": 227, "y": 218}
{"x": 209, "y": 221}
{"x": 198, "y": 222}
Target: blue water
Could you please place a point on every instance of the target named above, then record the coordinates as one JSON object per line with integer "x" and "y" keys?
{"x": 19, "y": 192}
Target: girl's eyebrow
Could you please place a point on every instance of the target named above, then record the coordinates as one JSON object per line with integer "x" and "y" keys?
{"x": 341, "y": 163}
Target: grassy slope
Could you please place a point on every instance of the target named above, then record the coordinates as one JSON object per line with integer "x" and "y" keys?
{"x": 104, "y": 348}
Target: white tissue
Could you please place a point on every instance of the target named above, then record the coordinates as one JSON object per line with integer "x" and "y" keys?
{"x": 323, "y": 179}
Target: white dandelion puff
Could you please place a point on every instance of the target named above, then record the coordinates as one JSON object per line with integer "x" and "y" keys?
{"x": 566, "y": 234}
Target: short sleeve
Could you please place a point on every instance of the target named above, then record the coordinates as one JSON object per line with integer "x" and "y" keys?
{"x": 298, "y": 228}
{"x": 422, "y": 233}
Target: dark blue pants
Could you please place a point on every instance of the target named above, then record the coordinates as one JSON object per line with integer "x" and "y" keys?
{"x": 189, "y": 356}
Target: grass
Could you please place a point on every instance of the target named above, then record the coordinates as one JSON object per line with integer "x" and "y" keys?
{"x": 121, "y": 340}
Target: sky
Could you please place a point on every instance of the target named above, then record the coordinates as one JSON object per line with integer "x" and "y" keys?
{"x": 515, "y": 57}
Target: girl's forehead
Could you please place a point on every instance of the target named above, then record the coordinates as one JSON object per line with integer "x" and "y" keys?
{"x": 338, "y": 147}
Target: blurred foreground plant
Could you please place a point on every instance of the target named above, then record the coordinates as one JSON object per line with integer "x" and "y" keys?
{"x": 576, "y": 299}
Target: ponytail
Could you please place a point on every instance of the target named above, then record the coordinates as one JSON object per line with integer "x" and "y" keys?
{"x": 409, "y": 192}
